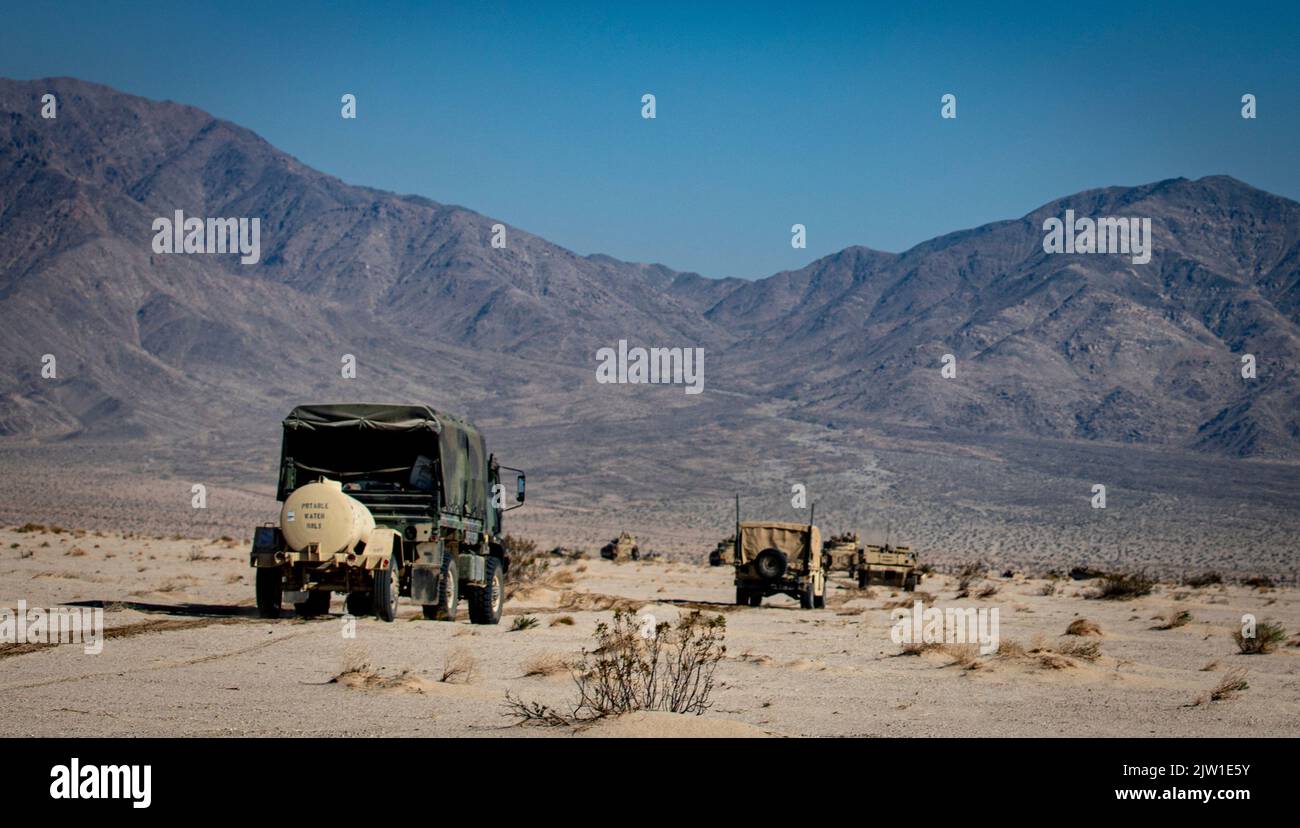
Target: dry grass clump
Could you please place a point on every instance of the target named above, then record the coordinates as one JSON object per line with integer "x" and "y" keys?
{"x": 458, "y": 667}
{"x": 670, "y": 668}
{"x": 1259, "y": 582}
{"x": 547, "y": 664}
{"x": 523, "y": 622}
{"x": 1075, "y": 648}
{"x": 1268, "y": 634}
{"x": 562, "y": 621}
{"x": 965, "y": 656}
{"x": 1123, "y": 586}
{"x": 1083, "y": 626}
{"x": 988, "y": 591}
{"x": 919, "y": 647}
{"x": 30, "y": 527}
{"x": 1232, "y": 683}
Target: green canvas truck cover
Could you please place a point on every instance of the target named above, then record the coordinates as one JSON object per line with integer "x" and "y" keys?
{"x": 352, "y": 439}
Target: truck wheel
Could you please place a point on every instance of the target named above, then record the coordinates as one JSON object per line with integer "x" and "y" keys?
{"x": 806, "y": 597}
{"x": 270, "y": 591}
{"x": 387, "y": 585}
{"x": 819, "y": 601}
{"x": 360, "y": 603}
{"x": 756, "y": 599}
{"x": 486, "y": 602}
{"x": 909, "y": 583}
{"x": 317, "y": 603}
{"x": 448, "y": 592}
{"x": 864, "y": 578}
{"x": 742, "y": 597}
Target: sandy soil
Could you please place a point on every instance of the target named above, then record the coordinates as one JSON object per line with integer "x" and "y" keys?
{"x": 186, "y": 655}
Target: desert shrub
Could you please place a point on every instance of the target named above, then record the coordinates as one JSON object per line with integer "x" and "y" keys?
{"x": 988, "y": 591}
{"x": 1232, "y": 683}
{"x": 668, "y": 668}
{"x": 1259, "y": 582}
{"x": 527, "y": 563}
{"x": 1208, "y": 578}
{"x": 1175, "y": 619}
{"x": 1268, "y": 634}
{"x": 1085, "y": 573}
{"x": 562, "y": 621}
{"x": 967, "y": 574}
{"x": 30, "y": 527}
{"x": 523, "y": 622}
{"x": 1083, "y": 626}
{"x": 1049, "y": 588}
{"x": 1121, "y": 586}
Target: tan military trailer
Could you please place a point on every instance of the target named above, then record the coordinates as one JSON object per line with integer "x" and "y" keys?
{"x": 891, "y": 565}
{"x": 381, "y": 501}
{"x": 776, "y": 558}
{"x": 621, "y": 548}
{"x": 724, "y": 552}
{"x": 841, "y": 552}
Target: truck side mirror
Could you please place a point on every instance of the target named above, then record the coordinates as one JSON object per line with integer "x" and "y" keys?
{"x": 519, "y": 488}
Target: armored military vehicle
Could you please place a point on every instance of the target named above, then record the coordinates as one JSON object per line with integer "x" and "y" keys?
{"x": 776, "y": 558}
{"x": 841, "y": 552}
{"x": 724, "y": 552}
{"x": 621, "y": 548}
{"x": 380, "y": 501}
{"x": 891, "y": 565}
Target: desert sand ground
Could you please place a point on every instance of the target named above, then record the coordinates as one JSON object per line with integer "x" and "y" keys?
{"x": 186, "y": 655}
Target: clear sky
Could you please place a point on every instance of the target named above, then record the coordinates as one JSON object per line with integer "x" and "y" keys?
{"x": 768, "y": 114}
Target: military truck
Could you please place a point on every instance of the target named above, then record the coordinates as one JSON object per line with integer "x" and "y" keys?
{"x": 724, "y": 552}
{"x": 621, "y": 548}
{"x": 382, "y": 501}
{"x": 841, "y": 552}
{"x": 776, "y": 558}
{"x": 890, "y": 565}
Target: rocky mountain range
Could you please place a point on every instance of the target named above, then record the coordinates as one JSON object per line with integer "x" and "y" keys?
{"x": 1069, "y": 369}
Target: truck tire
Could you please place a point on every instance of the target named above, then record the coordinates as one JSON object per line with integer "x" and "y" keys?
{"x": 770, "y": 564}
{"x": 448, "y": 592}
{"x": 270, "y": 591}
{"x": 387, "y": 585}
{"x": 360, "y": 603}
{"x": 819, "y": 601}
{"x": 909, "y": 583}
{"x": 864, "y": 578}
{"x": 486, "y": 602}
{"x": 756, "y": 599}
{"x": 317, "y": 603}
{"x": 806, "y": 597}
{"x": 742, "y": 597}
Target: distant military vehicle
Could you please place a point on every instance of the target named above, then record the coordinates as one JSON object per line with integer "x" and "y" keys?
{"x": 841, "y": 552}
{"x": 621, "y": 548}
{"x": 778, "y": 558}
{"x": 891, "y": 565}
{"x": 381, "y": 501}
{"x": 724, "y": 552}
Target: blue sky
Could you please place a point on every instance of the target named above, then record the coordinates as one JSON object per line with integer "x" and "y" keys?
{"x": 768, "y": 114}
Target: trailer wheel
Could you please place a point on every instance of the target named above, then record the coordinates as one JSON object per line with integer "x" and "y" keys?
{"x": 387, "y": 586}
{"x": 742, "y": 597}
{"x": 270, "y": 591}
{"x": 448, "y": 592}
{"x": 819, "y": 601}
{"x": 317, "y": 603}
{"x": 756, "y": 599}
{"x": 486, "y": 602}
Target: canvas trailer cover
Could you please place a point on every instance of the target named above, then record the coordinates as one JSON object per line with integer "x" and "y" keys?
{"x": 389, "y": 438}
